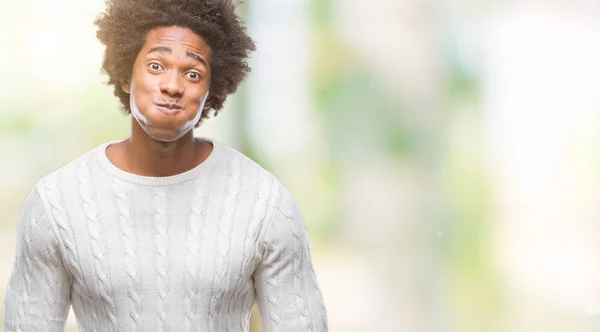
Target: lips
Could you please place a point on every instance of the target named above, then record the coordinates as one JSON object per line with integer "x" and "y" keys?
{"x": 168, "y": 108}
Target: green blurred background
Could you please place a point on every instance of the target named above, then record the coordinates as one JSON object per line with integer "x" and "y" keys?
{"x": 444, "y": 153}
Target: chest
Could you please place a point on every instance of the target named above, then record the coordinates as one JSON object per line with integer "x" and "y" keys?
{"x": 156, "y": 247}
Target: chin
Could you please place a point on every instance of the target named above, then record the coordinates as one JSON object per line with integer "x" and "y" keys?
{"x": 163, "y": 136}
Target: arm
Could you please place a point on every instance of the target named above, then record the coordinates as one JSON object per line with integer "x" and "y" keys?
{"x": 38, "y": 293}
{"x": 288, "y": 295}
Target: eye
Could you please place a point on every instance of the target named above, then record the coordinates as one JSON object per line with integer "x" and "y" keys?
{"x": 155, "y": 66}
{"x": 193, "y": 75}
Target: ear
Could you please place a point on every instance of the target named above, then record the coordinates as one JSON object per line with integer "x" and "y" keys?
{"x": 126, "y": 87}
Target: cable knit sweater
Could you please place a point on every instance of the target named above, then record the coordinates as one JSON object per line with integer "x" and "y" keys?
{"x": 189, "y": 252}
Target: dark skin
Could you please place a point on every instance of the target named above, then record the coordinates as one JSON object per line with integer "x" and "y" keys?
{"x": 170, "y": 83}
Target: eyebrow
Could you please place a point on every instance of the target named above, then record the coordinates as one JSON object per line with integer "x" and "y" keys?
{"x": 165, "y": 49}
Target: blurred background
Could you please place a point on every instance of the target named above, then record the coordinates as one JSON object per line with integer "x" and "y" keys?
{"x": 445, "y": 154}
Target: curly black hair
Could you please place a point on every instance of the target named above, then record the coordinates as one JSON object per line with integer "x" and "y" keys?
{"x": 123, "y": 27}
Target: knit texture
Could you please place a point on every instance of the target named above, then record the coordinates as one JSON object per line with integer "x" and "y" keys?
{"x": 189, "y": 252}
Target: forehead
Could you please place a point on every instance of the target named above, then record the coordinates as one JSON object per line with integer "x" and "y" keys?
{"x": 177, "y": 36}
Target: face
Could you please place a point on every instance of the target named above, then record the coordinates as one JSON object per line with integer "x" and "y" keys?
{"x": 170, "y": 82}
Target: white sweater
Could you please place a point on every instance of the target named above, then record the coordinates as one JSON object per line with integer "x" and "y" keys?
{"x": 189, "y": 252}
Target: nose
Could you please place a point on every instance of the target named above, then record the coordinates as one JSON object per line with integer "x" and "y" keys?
{"x": 171, "y": 84}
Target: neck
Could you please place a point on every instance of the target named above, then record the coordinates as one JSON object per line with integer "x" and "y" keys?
{"x": 143, "y": 155}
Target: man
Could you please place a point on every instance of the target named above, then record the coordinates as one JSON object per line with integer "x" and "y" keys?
{"x": 164, "y": 231}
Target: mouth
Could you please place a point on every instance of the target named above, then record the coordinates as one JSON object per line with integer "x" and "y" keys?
{"x": 169, "y": 108}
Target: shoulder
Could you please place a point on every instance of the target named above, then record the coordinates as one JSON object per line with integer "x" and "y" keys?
{"x": 238, "y": 165}
{"x": 35, "y": 227}
{"x": 65, "y": 176}
{"x": 70, "y": 168}
{"x": 275, "y": 199}
{"x": 285, "y": 227}
{"x": 283, "y": 205}
{"x": 234, "y": 157}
